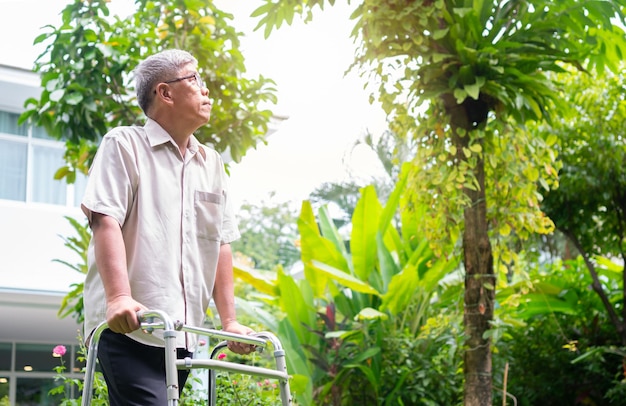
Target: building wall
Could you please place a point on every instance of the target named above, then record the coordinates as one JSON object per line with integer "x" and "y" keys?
{"x": 32, "y": 283}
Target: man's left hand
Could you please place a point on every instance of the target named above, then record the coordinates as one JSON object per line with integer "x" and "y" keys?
{"x": 237, "y": 347}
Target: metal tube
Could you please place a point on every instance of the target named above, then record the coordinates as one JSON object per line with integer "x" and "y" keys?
{"x": 90, "y": 368}
{"x": 224, "y": 335}
{"x": 212, "y": 384}
{"x": 231, "y": 367}
{"x": 169, "y": 336}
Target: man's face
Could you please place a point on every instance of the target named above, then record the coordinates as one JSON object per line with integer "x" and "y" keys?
{"x": 191, "y": 96}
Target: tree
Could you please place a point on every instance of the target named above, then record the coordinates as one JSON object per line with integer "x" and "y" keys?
{"x": 87, "y": 86}
{"x": 481, "y": 68}
{"x": 589, "y": 207}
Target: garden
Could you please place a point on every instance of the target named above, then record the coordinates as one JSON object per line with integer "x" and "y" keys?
{"x": 486, "y": 268}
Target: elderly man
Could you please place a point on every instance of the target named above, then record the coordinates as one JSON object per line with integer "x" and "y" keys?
{"x": 159, "y": 207}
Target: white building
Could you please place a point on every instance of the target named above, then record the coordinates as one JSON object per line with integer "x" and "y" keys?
{"x": 33, "y": 207}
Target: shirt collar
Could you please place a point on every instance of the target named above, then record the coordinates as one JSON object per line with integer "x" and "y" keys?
{"x": 158, "y": 136}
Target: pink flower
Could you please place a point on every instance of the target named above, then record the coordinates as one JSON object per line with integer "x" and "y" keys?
{"x": 59, "y": 351}
{"x": 221, "y": 356}
{"x": 201, "y": 342}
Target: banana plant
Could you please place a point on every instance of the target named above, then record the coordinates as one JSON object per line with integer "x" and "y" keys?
{"x": 354, "y": 293}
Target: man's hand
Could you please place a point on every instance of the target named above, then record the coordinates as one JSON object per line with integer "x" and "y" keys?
{"x": 236, "y": 347}
{"x": 122, "y": 314}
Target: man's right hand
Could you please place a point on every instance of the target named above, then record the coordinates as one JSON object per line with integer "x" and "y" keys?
{"x": 122, "y": 314}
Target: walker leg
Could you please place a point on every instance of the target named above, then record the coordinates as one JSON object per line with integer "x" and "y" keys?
{"x": 90, "y": 368}
{"x": 281, "y": 365}
{"x": 212, "y": 384}
{"x": 171, "y": 372}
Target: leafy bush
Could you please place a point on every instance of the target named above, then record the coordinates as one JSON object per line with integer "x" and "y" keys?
{"x": 567, "y": 352}
{"x": 427, "y": 370}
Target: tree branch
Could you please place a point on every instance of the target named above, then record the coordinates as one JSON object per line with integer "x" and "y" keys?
{"x": 597, "y": 287}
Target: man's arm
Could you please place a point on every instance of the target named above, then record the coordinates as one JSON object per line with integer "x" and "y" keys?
{"x": 110, "y": 255}
{"x": 224, "y": 298}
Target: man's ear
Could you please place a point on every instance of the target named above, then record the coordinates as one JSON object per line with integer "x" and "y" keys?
{"x": 163, "y": 92}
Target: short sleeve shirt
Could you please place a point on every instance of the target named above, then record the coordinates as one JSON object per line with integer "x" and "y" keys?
{"x": 174, "y": 213}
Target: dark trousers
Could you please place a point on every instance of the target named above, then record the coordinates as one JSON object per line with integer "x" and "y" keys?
{"x": 134, "y": 372}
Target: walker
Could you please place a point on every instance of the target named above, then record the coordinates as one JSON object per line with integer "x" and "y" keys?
{"x": 148, "y": 323}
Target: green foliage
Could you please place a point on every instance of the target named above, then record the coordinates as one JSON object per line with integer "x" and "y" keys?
{"x": 590, "y": 203}
{"x": 482, "y": 69}
{"x": 242, "y": 390}
{"x": 497, "y": 52}
{"x": 233, "y": 389}
{"x": 516, "y": 165}
{"x": 564, "y": 353}
{"x": 268, "y": 234}
{"x": 87, "y": 82}
{"x": 72, "y": 303}
{"x": 426, "y": 370}
{"x": 589, "y": 207}
{"x": 359, "y": 300}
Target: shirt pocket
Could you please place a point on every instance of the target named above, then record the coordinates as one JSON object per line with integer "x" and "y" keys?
{"x": 209, "y": 209}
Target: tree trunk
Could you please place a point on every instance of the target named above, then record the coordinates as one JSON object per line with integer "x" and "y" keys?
{"x": 480, "y": 279}
{"x": 480, "y": 282}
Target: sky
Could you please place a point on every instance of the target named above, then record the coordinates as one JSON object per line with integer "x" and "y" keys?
{"x": 327, "y": 111}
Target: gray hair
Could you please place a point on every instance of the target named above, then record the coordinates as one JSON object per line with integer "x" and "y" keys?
{"x": 157, "y": 68}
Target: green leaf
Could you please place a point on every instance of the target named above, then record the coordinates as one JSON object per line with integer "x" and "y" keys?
{"x": 400, "y": 290}
{"x": 57, "y": 95}
{"x": 365, "y": 223}
{"x": 255, "y": 279}
{"x": 536, "y": 303}
{"x": 329, "y": 231}
{"x": 370, "y": 314}
{"x": 315, "y": 247}
{"x": 73, "y": 98}
{"x": 386, "y": 263}
{"x": 61, "y": 172}
{"x": 460, "y": 95}
{"x": 369, "y": 374}
{"x": 299, "y": 308}
{"x": 345, "y": 279}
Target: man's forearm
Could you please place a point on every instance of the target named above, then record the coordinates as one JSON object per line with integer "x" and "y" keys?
{"x": 223, "y": 292}
{"x": 110, "y": 256}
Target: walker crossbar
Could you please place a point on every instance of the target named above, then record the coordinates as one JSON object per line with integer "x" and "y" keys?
{"x": 170, "y": 328}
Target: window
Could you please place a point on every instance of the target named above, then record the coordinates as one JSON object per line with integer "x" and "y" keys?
{"x": 35, "y": 391}
{"x": 4, "y": 390}
{"x": 5, "y": 356}
{"x": 5, "y": 365}
{"x": 28, "y": 160}
{"x": 27, "y": 371}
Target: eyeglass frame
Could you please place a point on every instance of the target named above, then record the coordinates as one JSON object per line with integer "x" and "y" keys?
{"x": 195, "y": 75}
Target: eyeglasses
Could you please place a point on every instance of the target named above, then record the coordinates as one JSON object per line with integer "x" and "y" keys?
{"x": 195, "y": 75}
